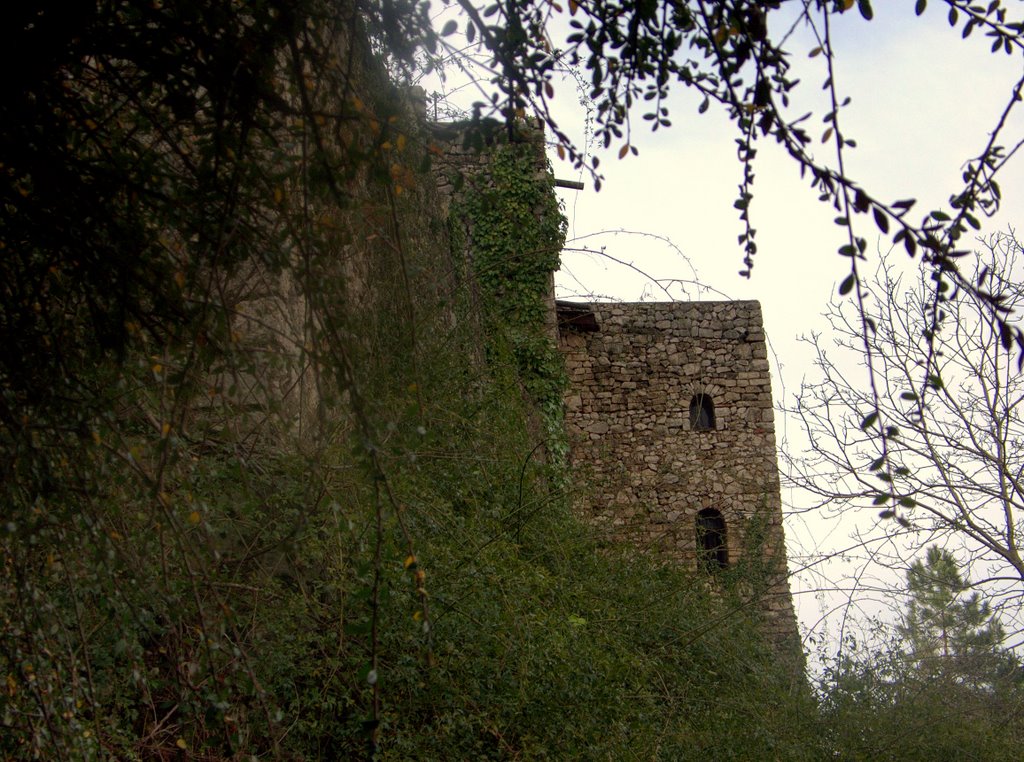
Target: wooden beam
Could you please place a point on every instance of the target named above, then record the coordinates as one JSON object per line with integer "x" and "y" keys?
{"x": 573, "y": 184}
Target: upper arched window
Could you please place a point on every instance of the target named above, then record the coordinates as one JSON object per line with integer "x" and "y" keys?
{"x": 712, "y": 550}
{"x": 702, "y": 413}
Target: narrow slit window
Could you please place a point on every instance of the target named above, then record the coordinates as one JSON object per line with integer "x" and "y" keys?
{"x": 702, "y": 413}
{"x": 712, "y": 551}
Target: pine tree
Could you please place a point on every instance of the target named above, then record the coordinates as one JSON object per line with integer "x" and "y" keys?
{"x": 949, "y": 633}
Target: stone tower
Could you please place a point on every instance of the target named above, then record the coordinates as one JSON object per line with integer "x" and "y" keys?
{"x": 669, "y": 415}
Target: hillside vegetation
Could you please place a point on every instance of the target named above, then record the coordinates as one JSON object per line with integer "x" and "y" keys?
{"x": 283, "y": 464}
{"x": 283, "y": 471}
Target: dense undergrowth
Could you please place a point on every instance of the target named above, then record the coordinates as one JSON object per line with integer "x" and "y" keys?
{"x": 259, "y": 612}
{"x": 404, "y": 580}
{"x": 283, "y": 469}
{"x": 311, "y": 503}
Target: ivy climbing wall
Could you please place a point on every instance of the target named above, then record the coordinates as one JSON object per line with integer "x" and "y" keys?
{"x": 507, "y": 227}
{"x": 669, "y": 416}
{"x": 697, "y": 484}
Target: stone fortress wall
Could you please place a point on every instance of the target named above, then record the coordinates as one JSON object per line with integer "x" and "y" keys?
{"x": 669, "y": 416}
{"x": 701, "y": 492}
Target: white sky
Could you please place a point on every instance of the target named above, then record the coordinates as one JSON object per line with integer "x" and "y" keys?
{"x": 923, "y": 102}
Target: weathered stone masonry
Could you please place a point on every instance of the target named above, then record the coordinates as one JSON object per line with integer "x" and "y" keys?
{"x": 654, "y": 481}
{"x": 634, "y": 371}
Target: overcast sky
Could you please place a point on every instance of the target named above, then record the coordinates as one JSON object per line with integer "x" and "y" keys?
{"x": 923, "y": 102}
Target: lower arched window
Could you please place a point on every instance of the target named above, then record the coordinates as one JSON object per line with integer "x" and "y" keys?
{"x": 712, "y": 550}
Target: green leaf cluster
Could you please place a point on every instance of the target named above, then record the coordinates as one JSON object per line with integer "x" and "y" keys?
{"x": 513, "y": 236}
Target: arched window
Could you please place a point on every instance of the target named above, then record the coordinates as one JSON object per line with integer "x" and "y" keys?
{"x": 712, "y": 551}
{"x": 702, "y": 413}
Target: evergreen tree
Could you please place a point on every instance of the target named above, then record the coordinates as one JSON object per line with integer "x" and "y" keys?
{"x": 946, "y": 688}
{"x": 950, "y": 633}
